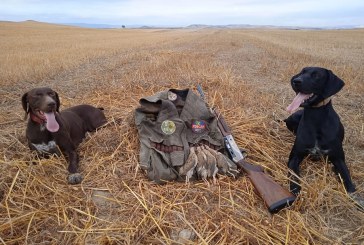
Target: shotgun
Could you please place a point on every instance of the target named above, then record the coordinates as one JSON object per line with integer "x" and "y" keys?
{"x": 274, "y": 195}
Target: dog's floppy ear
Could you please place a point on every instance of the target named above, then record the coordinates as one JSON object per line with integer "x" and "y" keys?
{"x": 58, "y": 102}
{"x": 25, "y": 104}
{"x": 333, "y": 85}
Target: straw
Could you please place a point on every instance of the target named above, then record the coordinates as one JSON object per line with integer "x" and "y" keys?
{"x": 245, "y": 74}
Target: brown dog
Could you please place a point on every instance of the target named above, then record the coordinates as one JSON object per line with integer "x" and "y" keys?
{"x": 49, "y": 130}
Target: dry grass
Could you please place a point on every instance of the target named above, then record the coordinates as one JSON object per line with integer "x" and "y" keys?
{"x": 244, "y": 72}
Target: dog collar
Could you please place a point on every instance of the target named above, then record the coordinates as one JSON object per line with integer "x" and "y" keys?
{"x": 36, "y": 119}
{"x": 323, "y": 102}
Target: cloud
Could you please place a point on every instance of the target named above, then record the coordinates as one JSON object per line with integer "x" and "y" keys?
{"x": 157, "y": 12}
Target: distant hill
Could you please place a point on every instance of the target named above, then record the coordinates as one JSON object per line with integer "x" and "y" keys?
{"x": 33, "y": 22}
{"x": 37, "y": 24}
{"x": 83, "y": 25}
{"x": 248, "y": 26}
{"x": 98, "y": 26}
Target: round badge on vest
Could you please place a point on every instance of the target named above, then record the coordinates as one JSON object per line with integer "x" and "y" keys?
{"x": 172, "y": 96}
{"x": 198, "y": 126}
{"x": 168, "y": 127}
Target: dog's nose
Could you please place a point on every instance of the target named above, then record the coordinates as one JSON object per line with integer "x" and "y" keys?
{"x": 297, "y": 81}
{"x": 51, "y": 104}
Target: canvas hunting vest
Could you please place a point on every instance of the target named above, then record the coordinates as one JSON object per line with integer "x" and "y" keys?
{"x": 168, "y": 123}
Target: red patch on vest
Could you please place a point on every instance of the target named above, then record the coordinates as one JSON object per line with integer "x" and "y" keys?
{"x": 198, "y": 126}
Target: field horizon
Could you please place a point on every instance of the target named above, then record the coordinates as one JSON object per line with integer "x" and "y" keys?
{"x": 190, "y": 26}
{"x": 244, "y": 72}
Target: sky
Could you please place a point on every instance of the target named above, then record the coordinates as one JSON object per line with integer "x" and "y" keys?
{"x": 307, "y": 13}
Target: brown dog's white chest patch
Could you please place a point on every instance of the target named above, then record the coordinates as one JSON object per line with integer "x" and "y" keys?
{"x": 49, "y": 147}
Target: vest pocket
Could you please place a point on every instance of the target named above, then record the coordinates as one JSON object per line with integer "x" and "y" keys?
{"x": 159, "y": 170}
{"x": 177, "y": 158}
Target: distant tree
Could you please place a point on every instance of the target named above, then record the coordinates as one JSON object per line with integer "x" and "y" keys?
{"x": 123, "y": 26}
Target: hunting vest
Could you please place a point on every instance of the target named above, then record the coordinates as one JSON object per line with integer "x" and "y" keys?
{"x": 169, "y": 123}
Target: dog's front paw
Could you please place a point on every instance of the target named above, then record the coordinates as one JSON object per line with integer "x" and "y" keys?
{"x": 359, "y": 201}
{"x": 75, "y": 178}
{"x": 294, "y": 188}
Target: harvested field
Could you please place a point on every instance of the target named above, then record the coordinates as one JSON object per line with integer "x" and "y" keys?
{"x": 245, "y": 73}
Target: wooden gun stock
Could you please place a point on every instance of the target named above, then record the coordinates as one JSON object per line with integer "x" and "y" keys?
{"x": 274, "y": 196}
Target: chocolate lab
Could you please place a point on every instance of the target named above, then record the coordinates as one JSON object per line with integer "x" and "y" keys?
{"x": 49, "y": 130}
{"x": 318, "y": 129}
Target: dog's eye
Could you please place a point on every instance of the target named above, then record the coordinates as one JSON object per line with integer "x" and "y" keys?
{"x": 38, "y": 94}
{"x": 51, "y": 93}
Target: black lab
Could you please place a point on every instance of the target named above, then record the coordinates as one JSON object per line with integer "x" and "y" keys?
{"x": 49, "y": 129}
{"x": 318, "y": 129}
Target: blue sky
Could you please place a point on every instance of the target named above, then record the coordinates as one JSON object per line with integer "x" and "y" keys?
{"x": 312, "y": 13}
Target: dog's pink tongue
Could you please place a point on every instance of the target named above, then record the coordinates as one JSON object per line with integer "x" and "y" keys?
{"x": 297, "y": 101}
{"x": 51, "y": 124}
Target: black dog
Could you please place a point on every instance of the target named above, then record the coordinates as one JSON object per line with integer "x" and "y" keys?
{"x": 318, "y": 129}
{"x": 49, "y": 129}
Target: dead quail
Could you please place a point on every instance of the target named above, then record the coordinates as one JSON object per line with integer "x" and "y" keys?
{"x": 189, "y": 167}
{"x": 201, "y": 163}
{"x": 211, "y": 164}
{"x": 224, "y": 164}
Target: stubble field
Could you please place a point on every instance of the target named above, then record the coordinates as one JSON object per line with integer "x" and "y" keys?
{"x": 245, "y": 73}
